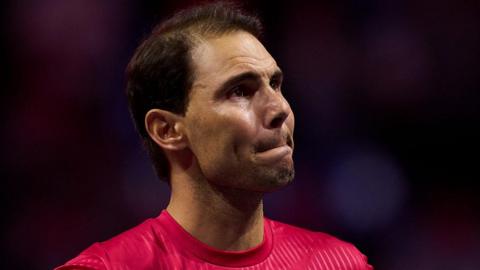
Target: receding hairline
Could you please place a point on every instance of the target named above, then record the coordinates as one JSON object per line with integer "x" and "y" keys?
{"x": 203, "y": 44}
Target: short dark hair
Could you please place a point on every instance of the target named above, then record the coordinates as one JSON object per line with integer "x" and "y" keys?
{"x": 160, "y": 74}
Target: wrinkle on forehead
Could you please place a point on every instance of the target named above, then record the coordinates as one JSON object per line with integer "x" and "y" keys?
{"x": 228, "y": 54}
{"x": 265, "y": 68}
{"x": 264, "y": 63}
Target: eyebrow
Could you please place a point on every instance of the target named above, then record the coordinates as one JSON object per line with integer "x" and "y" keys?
{"x": 245, "y": 76}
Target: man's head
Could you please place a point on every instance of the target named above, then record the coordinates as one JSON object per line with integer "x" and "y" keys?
{"x": 203, "y": 83}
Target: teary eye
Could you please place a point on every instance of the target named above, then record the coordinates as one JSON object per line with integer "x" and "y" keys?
{"x": 239, "y": 91}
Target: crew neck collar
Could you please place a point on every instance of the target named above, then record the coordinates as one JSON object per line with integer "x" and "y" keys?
{"x": 213, "y": 255}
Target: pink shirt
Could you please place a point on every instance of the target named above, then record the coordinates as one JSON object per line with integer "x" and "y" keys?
{"x": 161, "y": 243}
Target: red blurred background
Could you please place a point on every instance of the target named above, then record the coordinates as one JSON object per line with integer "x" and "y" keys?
{"x": 386, "y": 97}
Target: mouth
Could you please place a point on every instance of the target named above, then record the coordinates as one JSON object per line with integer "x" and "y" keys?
{"x": 290, "y": 141}
{"x": 275, "y": 152}
{"x": 270, "y": 144}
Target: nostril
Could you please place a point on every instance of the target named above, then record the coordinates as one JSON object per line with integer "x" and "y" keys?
{"x": 278, "y": 120}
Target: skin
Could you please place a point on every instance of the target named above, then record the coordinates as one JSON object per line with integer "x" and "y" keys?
{"x": 233, "y": 144}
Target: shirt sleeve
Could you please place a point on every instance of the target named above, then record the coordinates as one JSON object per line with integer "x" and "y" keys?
{"x": 84, "y": 262}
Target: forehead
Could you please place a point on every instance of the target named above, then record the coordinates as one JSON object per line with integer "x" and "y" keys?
{"x": 216, "y": 59}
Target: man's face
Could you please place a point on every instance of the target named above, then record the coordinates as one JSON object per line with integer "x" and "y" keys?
{"x": 239, "y": 125}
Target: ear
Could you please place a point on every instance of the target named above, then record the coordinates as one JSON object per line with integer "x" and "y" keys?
{"x": 166, "y": 129}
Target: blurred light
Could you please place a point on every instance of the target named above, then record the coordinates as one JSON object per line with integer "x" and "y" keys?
{"x": 365, "y": 189}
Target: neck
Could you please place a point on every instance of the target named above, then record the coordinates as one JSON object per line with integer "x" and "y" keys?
{"x": 223, "y": 218}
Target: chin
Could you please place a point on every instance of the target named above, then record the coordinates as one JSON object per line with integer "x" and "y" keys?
{"x": 256, "y": 178}
{"x": 272, "y": 180}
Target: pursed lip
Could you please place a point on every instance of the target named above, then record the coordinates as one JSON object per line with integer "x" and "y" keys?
{"x": 274, "y": 155}
{"x": 273, "y": 143}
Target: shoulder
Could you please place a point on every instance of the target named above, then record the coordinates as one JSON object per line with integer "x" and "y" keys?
{"x": 138, "y": 236}
{"x": 125, "y": 247}
{"x": 283, "y": 231}
{"x": 89, "y": 259}
{"x": 318, "y": 244}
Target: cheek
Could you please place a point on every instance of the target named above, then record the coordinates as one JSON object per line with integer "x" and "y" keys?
{"x": 241, "y": 126}
{"x": 222, "y": 142}
{"x": 222, "y": 133}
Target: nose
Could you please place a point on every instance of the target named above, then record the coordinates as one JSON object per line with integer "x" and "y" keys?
{"x": 278, "y": 120}
{"x": 277, "y": 110}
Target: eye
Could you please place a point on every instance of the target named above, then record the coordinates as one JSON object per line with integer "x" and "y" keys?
{"x": 239, "y": 91}
{"x": 275, "y": 83}
{"x": 242, "y": 90}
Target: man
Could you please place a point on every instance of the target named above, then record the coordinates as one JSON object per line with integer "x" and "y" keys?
{"x": 206, "y": 97}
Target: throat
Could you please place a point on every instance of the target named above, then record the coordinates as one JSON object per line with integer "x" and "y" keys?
{"x": 222, "y": 218}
